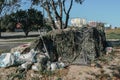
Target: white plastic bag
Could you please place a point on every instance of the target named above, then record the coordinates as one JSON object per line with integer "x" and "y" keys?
{"x": 26, "y": 65}
{"x": 109, "y": 50}
{"x": 9, "y": 59}
{"x": 28, "y": 57}
{"x": 6, "y": 60}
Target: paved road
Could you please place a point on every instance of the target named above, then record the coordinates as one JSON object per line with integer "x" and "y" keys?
{"x": 4, "y": 34}
{"x": 8, "y": 46}
{"x": 6, "y": 42}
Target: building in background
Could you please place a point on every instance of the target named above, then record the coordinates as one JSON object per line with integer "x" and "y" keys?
{"x": 92, "y": 23}
{"x": 98, "y": 25}
{"x": 78, "y": 22}
{"x": 108, "y": 26}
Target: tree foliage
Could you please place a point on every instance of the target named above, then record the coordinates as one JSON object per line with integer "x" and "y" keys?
{"x": 3, "y": 4}
{"x": 7, "y": 23}
{"x": 28, "y": 20}
{"x": 56, "y": 9}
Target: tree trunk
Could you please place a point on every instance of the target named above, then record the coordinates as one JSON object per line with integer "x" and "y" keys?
{"x": 0, "y": 27}
{"x": 26, "y": 33}
{"x": 0, "y": 20}
{"x": 67, "y": 12}
{"x": 61, "y": 24}
{"x": 66, "y": 22}
{"x": 0, "y": 31}
{"x": 47, "y": 8}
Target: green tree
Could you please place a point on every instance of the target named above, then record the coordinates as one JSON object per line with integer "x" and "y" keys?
{"x": 22, "y": 17}
{"x": 1, "y": 7}
{"x": 35, "y": 18}
{"x": 56, "y": 9}
{"x": 8, "y": 22}
{"x": 29, "y": 19}
{"x": 3, "y": 4}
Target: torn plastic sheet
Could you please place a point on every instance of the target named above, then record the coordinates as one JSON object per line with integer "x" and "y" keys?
{"x": 10, "y": 59}
{"x": 6, "y": 59}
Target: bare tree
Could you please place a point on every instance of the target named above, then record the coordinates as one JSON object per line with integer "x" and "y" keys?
{"x": 56, "y": 9}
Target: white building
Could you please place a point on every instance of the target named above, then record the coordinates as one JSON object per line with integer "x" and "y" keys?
{"x": 78, "y": 22}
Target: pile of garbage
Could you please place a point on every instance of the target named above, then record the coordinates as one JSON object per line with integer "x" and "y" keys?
{"x": 26, "y": 58}
{"x": 73, "y": 45}
{"x": 57, "y": 49}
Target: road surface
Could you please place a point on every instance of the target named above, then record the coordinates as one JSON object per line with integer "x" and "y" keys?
{"x": 7, "y": 40}
{"x": 17, "y": 34}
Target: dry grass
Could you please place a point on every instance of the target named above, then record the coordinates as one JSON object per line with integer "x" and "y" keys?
{"x": 113, "y": 34}
{"x": 117, "y": 31}
{"x": 108, "y": 71}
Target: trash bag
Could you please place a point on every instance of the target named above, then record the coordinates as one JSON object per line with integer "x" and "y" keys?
{"x": 28, "y": 57}
{"x": 16, "y": 58}
{"x": 6, "y": 59}
{"x": 26, "y": 65}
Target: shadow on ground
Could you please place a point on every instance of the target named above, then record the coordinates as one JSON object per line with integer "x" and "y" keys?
{"x": 113, "y": 43}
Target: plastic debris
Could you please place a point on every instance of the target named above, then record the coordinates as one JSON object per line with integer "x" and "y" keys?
{"x": 54, "y": 66}
{"x": 57, "y": 65}
{"x": 109, "y": 50}
{"x": 22, "y": 48}
{"x": 9, "y": 59}
{"x": 61, "y": 65}
{"x": 28, "y": 57}
{"x": 26, "y": 61}
{"x": 35, "y": 67}
{"x": 6, "y": 60}
{"x": 26, "y": 65}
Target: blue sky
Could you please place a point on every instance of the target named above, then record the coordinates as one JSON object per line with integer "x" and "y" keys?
{"x": 98, "y": 10}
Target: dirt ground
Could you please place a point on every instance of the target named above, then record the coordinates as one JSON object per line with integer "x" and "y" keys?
{"x": 106, "y": 68}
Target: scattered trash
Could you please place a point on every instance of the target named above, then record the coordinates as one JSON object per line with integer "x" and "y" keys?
{"x": 26, "y": 65}
{"x": 74, "y": 46}
{"x": 54, "y": 66}
{"x": 109, "y": 50}
{"x": 28, "y": 57}
{"x": 36, "y": 75}
{"x": 49, "y": 66}
{"x": 35, "y": 67}
{"x": 32, "y": 59}
{"x": 61, "y": 65}
{"x": 40, "y": 57}
{"x": 6, "y": 60}
{"x": 22, "y": 48}
{"x": 41, "y": 60}
{"x": 10, "y": 59}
